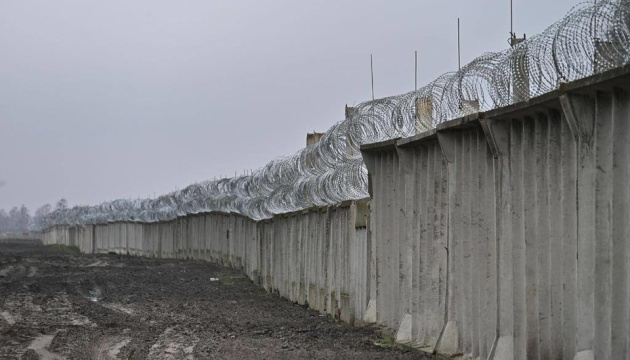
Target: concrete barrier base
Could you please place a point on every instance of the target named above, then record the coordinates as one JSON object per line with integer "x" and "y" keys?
{"x": 449, "y": 344}
{"x": 370, "y": 312}
{"x": 404, "y": 334}
{"x": 584, "y": 355}
{"x": 504, "y": 349}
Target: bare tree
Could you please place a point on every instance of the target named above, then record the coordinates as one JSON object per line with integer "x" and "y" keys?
{"x": 17, "y": 220}
{"x": 24, "y": 219}
{"x": 40, "y": 220}
{"x": 62, "y": 204}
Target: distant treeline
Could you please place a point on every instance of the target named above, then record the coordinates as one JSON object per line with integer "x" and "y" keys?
{"x": 16, "y": 220}
{"x": 19, "y": 219}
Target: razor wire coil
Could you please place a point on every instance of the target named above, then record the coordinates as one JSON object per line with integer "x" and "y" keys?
{"x": 591, "y": 38}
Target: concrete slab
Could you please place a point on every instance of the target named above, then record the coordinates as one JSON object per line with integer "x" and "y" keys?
{"x": 370, "y": 312}
{"x": 504, "y": 349}
{"x": 584, "y": 355}
{"x": 449, "y": 343}
{"x": 404, "y": 334}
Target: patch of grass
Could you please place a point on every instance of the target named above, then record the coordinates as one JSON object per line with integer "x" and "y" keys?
{"x": 65, "y": 249}
{"x": 386, "y": 341}
{"x": 231, "y": 278}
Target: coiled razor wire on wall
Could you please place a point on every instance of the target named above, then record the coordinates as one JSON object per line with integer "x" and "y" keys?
{"x": 591, "y": 38}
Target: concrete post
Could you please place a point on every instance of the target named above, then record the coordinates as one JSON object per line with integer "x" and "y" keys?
{"x": 498, "y": 134}
{"x": 424, "y": 114}
{"x": 468, "y": 107}
{"x": 370, "y": 315}
{"x": 520, "y": 73}
{"x": 620, "y": 309}
{"x": 407, "y": 238}
{"x": 580, "y": 114}
{"x": 449, "y": 341}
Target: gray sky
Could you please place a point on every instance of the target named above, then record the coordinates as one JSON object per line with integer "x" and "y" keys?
{"x": 114, "y": 99}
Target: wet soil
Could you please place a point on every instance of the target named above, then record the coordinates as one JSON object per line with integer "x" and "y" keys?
{"x": 57, "y": 304}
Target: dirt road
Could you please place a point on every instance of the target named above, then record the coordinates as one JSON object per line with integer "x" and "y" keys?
{"x": 56, "y": 304}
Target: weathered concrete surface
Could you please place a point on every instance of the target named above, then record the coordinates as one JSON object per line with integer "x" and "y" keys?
{"x": 505, "y": 235}
{"x": 500, "y": 235}
{"x": 317, "y": 257}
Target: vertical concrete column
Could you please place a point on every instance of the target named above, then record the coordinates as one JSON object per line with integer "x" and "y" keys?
{"x": 424, "y": 279}
{"x": 192, "y": 236}
{"x": 107, "y": 239}
{"x": 539, "y": 308}
{"x": 352, "y": 265}
{"x": 580, "y": 114}
{"x": 556, "y": 214}
{"x": 325, "y": 293}
{"x": 339, "y": 268}
{"x": 379, "y": 208}
{"x": 569, "y": 155}
{"x": 407, "y": 238}
{"x": 304, "y": 256}
{"x": 395, "y": 241}
{"x": 387, "y": 289}
{"x": 439, "y": 272}
{"x": 320, "y": 260}
{"x": 154, "y": 239}
{"x": 128, "y": 246}
{"x": 527, "y": 288}
{"x": 469, "y": 241}
{"x": 143, "y": 240}
{"x": 213, "y": 238}
{"x": 173, "y": 236}
{"x": 201, "y": 224}
{"x": 487, "y": 252}
{"x": 604, "y": 139}
{"x": 370, "y": 314}
{"x": 498, "y": 136}
{"x": 449, "y": 341}
{"x": 207, "y": 234}
{"x": 362, "y": 260}
{"x": 164, "y": 247}
{"x": 310, "y": 258}
{"x": 157, "y": 251}
{"x": 620, "y": 308}
{"x": 293, "y": 263}
{"x": 296, "y": 272}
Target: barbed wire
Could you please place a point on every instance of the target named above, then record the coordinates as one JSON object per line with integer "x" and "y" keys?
{"x": 591, "y": 38}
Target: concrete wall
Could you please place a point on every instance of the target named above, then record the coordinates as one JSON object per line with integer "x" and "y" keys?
{"x": 505, "y": 235}
{"x": 315, "y": 257}
{"x": 499, "y": 235}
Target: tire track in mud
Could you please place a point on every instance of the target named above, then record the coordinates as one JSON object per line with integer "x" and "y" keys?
{"x": 172, "y": 345}
{"x": 6, "y": 270}
{"x": 40, "y": 346}
{"x": 59, "y": 305}
{"x": 108, "y": 348}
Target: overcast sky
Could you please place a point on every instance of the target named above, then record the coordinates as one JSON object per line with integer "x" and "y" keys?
{"x": 123, "y": 99}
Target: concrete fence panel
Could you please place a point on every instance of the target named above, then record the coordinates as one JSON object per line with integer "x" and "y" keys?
{"x": 499, "y": 235}
{"x": 316, "y": 257}
{"x": 526, "y": 210}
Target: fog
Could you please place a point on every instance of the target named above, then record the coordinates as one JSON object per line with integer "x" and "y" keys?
{"x": 124, "y": 99}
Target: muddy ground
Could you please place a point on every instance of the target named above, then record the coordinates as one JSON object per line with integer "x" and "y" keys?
{"x": 58, "y": 304}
